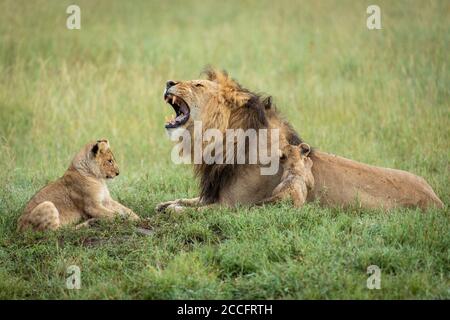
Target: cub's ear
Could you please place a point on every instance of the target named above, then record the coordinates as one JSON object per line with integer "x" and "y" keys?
{"x": 305, "y": 149}
{"x": 103, "y": 140}
{"x": 100, "y": 146}
{"x": 94, "y": 149}
{"x": 281, "y": 155}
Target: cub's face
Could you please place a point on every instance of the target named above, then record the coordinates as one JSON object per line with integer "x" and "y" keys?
{"x": 295, "y": 160}
{"x": 188, "y": 99}
{"x": 104, "y": 161}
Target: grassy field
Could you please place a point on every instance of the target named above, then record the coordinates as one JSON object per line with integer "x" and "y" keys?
{"x": 380, "y": 97}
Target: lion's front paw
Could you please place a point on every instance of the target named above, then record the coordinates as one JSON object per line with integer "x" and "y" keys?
{"x": 164, "y": 205}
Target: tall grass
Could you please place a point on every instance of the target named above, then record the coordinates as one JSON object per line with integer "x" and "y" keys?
{"x": 380, "y": 97}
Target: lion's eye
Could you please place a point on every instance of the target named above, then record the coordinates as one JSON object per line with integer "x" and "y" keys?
{"x": 199, "y": 85}
{"x": 110, "y": 161}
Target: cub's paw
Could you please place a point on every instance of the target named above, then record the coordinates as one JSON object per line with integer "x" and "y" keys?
{"x": 87, "y": 224}
{"x": 174, "y": 208}
{"x": 132, "y": 216}
{"x": 164, "y": 205}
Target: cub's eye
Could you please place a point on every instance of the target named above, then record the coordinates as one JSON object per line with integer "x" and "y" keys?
{"x": 110, "y": 161}
{"x": 198, "y": 85}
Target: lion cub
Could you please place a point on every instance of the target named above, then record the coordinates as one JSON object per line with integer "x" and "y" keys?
{"x": 297, "y": 178}
{"x": 80, "y": 194}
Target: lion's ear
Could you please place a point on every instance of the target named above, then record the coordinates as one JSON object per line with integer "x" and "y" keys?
{"x": 267, "y": 102}
{"x": 214, "y": 74}
{"x": 230, "y": 91}
{"x": 305, "y": 149}
{"x": 222, "y": 78}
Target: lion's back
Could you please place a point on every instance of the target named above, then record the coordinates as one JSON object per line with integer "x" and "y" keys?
{"x": 341, "y": 181}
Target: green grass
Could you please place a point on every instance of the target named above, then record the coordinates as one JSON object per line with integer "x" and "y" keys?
{"x": 380, "y": 97}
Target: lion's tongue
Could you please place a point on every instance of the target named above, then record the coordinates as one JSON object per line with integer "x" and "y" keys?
{"x": 180, "y": 118}
{"x": 174, "y": 120}
{"x": 183, "y": 114}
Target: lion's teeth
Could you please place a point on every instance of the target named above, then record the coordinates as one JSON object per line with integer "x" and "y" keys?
{"x": 173, "y": 99}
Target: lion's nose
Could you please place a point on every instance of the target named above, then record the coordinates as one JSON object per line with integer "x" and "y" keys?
{"x": 170, "y": 83}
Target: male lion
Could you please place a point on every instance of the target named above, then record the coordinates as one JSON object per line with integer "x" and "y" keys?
{"x": 221, "y": 103}
{"x": 81, "y": 193}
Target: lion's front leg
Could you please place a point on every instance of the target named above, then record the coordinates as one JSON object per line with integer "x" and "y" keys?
{"x": 178, "y": 205}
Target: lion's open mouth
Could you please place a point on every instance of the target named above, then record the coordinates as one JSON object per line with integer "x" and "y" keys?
{"x": 181, "y": 111}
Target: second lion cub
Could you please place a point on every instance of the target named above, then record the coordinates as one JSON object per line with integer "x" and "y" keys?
{"x": 297, "y": 177}
{"x": 80, "y": 194}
